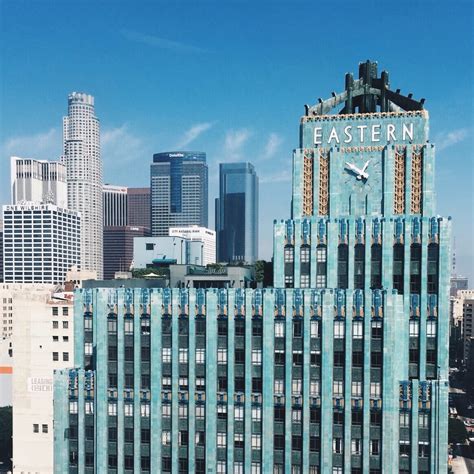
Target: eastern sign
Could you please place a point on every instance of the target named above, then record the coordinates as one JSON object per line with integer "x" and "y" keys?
{"x": 363, "y": 134}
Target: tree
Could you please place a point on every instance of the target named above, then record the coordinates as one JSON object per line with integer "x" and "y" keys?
{"x": 457, "y": 432}
{"x": 6, "y": 448}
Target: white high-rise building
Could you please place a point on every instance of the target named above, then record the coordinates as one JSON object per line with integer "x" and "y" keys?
{"x": 41, "y": 242}
{"x": 197, "y": 233}
{"x": 115, "y": 205}
{"x": 42, "y": 342}
{"x": 38, "y": 181}
{"x": 81, "y": 155}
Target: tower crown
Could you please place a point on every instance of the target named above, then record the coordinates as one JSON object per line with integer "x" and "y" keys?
{"x": 367, "y": 94}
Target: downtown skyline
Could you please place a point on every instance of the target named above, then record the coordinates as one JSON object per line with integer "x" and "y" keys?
{"x": 230, "y": 89}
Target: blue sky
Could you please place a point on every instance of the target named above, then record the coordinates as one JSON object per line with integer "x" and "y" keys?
{"x": 231, "y": 78}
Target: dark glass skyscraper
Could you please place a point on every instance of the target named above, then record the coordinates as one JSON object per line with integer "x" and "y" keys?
{"x": 178, "y": 190}
{"x": 237, "y": 213}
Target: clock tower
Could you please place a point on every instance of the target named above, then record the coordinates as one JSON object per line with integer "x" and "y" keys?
{"x": 364, "y": 227}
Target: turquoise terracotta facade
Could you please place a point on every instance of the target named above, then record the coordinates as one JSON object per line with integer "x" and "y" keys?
{"x": 342, "y": 367}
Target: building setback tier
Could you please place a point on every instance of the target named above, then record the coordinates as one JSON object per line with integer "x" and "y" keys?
{"x": 192, "y": 371}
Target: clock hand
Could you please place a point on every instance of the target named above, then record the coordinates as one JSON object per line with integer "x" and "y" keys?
{"x": 365, "y": 166}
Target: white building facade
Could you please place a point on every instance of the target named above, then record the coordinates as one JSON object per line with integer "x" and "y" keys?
{"x": 38, "y": 181}
{"x": 41, "y": 243}
{"x": 115, "y": 205}
{"x": 81, "y": 155}
{"x": 202, "y": 234}
{"x": 43, "y": 341}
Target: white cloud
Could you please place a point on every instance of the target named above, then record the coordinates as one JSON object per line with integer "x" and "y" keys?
{"x": 451, "y": 138}
{"x": 42, "y": 145}
{"x": 120, "y": 146}
{"x": 162, "y": 43}
{"x": 234, "y": 142}
{"x": 273, "y": 143}
{"x": 193, "y": 133}
{"x": 278, "y": 177}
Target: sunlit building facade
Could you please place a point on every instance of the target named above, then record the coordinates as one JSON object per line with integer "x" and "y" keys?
{"x": 342, "y": 367}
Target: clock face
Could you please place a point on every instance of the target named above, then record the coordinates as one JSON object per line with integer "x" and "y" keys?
{"x": 362, "y": 173}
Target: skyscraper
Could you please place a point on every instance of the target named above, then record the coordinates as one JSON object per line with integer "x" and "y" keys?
{"x": 139, "y": 207}
{"x": 237, "y": 213}
{"x": 81, "y": 155}
{"x": 179, "y": 191}
{"x": 341, "y": 367}
{"x": 41, "y": 243}
{"x": 38, "y": 181}
{"x": 115, "y": 205}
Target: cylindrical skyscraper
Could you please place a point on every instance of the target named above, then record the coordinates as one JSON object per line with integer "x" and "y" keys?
{"x": 81, "y": 155}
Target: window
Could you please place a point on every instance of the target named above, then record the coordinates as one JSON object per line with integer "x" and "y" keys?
{"x": 339, "y": 358}
{"x": 256, "y": 468}
{"x": 288, "y": 281}
{"x": 342, "y": 266}
{"x": 376, "y": 329}
{"x": 279, "y": 329}
{"x": 356, "y": 417}
{"x": 183, "y": 355}
{"x": 376, "y": 359}
{"x": 221, "y": 440}
{"x": 128, "y": 409}
{"x": 296, "y": 443}
{"x": 356, "y": 446}
{"x": 297, "y": 357}
{"x": 222, "y": 356}
{"x": 256, "y": 413}
{"x": 55, "y": 324}
{"x": 129, "y": 436}
{"x": 314, "y": 328}
{"x": 431, "y": 328}
{"x": 221, "y": 467}
{"x": 315, "y": 358}
{"x": 296, "y": 415}
{"x": 279, "y": 413}
{"x": 145, "y": 410}
{"x": 166, "y": 438}
{"x": 314, "y": 388}
{"x": 374, "y": 389}
{"x": 88, "y": 324}
{"x": 304, "y": 281}
{"x": 88, "y": 349}
{"x": 305, "y": 254}
{"x": 200, "y": 356}
{"x": 55, "y": 356}
{"x": 238, "y": 467}
{"x": 375, "y": 417}
{"x": 374, "y": 447}
{"x": 338, "y": 329}
{"x": 166, "y": 354}
{"x": 423, "y": 420}
{"x": 338, "y": 388}
{"x": 35, "y": 428}
{"x": 404, "y": 419}
{"x": 279, "y": 357}
{"x": 166, "y": 383}
{"x": 337, "y": 445}
{"x": 112, "y": 409}
{"x": 145, "y": 435}
{"x": 404, "y": 448}
{"x": 149, "y": 246}
{"x": 289, "y": 254}
{"x": 357, "y": 330}
{"x": 128, "y": 326}
{"x": 89, "y": 406}
{"x": 256, "y": 441}
{"x": 238, "y": 412}
{"x": 296, "y": 387}
{"x": 183, "y": 383}
{"x": 239, "y": 356}
{"x": 73, "y": 408}
{"x": 356, "y": 389}
{"x": 65, "y": 356}
{"x": 112, "y": 325}
{"x": 297, "y": 328}
{"x": 200, "y": 412}
{"x": 314, "y": 443}
{"x": 257, "y": 357}
{"x": 183, "y": 438}
{"x": 222, "y": 412}
{"x": 423, "y": 449}
{"x": 414, "y": 328}
{"x": 338, "y": 417}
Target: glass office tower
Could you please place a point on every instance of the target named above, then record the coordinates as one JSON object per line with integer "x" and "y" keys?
{"x": 179, "y": 191}
{"x": 342, "y": 367}
{"x": 237, "y": 213}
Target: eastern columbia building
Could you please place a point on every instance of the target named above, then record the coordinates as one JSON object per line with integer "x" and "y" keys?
{"x": 342, "y": 367}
